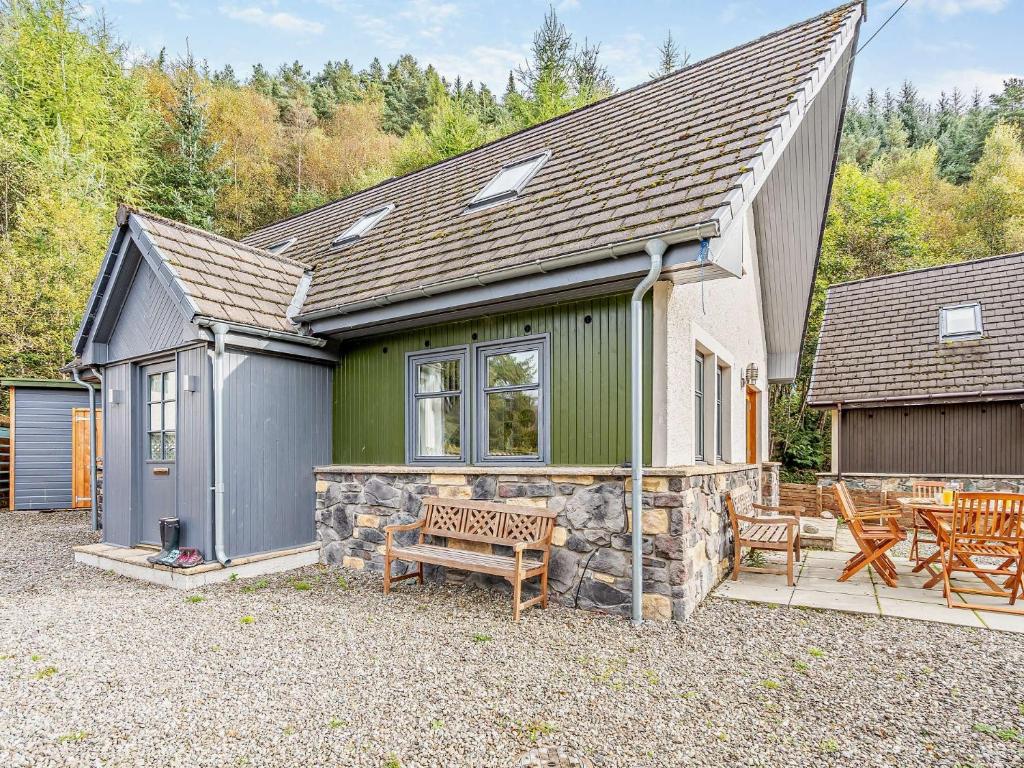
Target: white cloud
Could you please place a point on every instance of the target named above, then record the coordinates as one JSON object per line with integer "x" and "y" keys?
{"x": 428, "y": 16}
{"x": 950, "y": 7}
{"x": 382, "y": 31}
{"x": 966, "y": 80}
{"x": 631, "y": 58}
{"x": 481, "y": 64}
{"x": 285, "y": 22}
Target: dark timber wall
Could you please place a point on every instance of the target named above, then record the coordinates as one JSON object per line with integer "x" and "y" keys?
{"x": 969, "y": 438}
{"x": 590, "y": 388}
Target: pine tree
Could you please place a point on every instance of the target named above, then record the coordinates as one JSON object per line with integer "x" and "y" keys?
{"x": 1009, "y": 106}
{"x": 670, "y": 57}
{"x": 186, "y": 178}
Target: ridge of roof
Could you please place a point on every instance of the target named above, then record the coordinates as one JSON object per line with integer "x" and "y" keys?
{"x": 919, "y": 270}
{"x": 211, "y": 235}
{"x": 838, "y": 10}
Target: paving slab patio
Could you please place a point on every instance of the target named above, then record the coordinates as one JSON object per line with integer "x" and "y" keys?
{"x": 817, "y": 586}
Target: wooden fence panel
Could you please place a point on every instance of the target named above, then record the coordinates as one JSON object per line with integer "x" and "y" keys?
{"x": 815, "y": 499}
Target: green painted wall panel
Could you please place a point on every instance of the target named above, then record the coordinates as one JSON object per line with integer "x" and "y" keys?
{"x": 589, "y": 381}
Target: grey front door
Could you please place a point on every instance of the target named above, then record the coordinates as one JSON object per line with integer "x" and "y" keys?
{"x": 159, "y": 441}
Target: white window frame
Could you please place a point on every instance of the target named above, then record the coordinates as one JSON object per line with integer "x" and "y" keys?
{"x": 700, "y": 436}
{"x": 361, "y": 226}
{"x": 485, "y": 200}
{"x": 946, "y": 335}
{"x": 282, "y": 246}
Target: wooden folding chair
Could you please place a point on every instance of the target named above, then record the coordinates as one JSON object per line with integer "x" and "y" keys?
{"x": 923, "y": 489}
{"x": 874, "y": 539}
{"x": 987, "y": 525}
{"x": 778, "y": 531}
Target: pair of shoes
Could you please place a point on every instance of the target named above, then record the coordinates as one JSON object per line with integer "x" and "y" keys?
{"x": 170, "y": 534}
{"x": 189, "y": 557}
{"x": 170, "y": 558}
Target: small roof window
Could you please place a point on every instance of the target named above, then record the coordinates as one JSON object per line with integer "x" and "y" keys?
{"x": 282, "y": 246}
{"x": 962, "y": 321}
{"x": 509, "y": 182}
{"x": 362, "y": 225}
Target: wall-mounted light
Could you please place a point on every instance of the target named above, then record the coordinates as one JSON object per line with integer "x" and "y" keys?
{"x": 190, "y": 383}
{"x": 115, "y": 396}
{"x": 749, "y": 375}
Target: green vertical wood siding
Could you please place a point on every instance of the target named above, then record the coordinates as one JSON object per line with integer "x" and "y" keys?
{"x": 590, "y": 386}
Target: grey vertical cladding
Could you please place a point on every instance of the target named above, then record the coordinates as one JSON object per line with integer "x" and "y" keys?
{"x": 150, "y": 320}
{"x": 118, "y": 465}
{"x": 194, "y": 450}
{"x": 42, "y": 446}
{"x": 277, "y": 427}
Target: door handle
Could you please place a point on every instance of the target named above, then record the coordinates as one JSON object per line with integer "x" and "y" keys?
{"x": 161, "y": 471}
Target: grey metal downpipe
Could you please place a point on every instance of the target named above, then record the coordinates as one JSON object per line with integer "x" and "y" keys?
{"x": 219, "y": 331}
{"x": 656, "y": 250}
{"x": 93, "y": 517}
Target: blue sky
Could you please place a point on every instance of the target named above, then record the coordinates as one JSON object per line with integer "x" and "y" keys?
{"x": 936, "y": 43}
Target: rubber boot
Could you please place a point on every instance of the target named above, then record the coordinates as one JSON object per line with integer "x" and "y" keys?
{"x": 170, "y": 543}
{"x": 164, "y": 542}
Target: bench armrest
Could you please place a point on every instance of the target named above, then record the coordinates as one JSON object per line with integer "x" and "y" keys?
{"x": 795, "y": 511}
{"x": 406, "y": 526}
{"x": 524, "y": 545}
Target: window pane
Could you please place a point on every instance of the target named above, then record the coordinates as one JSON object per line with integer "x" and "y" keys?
{"x": 438, "y": 426}
{"x": 154, "y": 387}
{"x": 513, "y": 419}
{"x": 170, "y": 385}
{"x": 508, "y": 179}
{"x": 155, "y": 421}
{"x": 961, "y": 320}
{"x": 438, "y": 376}
{"x": 512, "y": 369}
{"x": 169, "y": 446}
{"x": 170, "y": 415}
{"x": 154, "y": 445}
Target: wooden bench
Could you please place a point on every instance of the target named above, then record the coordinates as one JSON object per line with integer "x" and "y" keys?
{"x": 483, "y": 522}
{"x": 778, "y": 530}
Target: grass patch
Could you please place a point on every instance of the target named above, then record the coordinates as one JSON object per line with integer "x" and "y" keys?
{"x": 392, "y": 762}
{"x": 233, "y": 577}
{"x": 481, "y": 638}
{"x": 194, "y": 599}
{"x": 343, "y": 582}
{"x": 336, "y": 722}
{"x": 829, "y": 746}
{"x": 652, "y": 677}
{"x": 302, "y": 586}
{"x": 755, "y": 559}
{"x": 248, "y": 620}
{"x": 771, "y": 685}
{"x": 436, "y": 725}
{"x": 1003, "y": 734}
{"x": 73, "y": 737}
{"x": 538, "y": 728}
{"x": 45, "y": 672}
{"x": 816, "y": 652}
{"x": 36, "y": 657}
{"x": 801, "y": 666}
{"x": 258, "y": 584}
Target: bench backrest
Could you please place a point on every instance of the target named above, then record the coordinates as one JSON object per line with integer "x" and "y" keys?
{"x": 486, "y": 521}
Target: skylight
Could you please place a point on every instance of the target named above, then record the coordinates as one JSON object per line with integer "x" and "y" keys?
{"x": 362, "y": 225}
{"x": 510, "y": 181}
{"x": 282, "y": 246}
{"x": 960, "y": 322}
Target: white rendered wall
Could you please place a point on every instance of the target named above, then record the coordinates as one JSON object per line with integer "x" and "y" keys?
{"x": 727, "y": 325}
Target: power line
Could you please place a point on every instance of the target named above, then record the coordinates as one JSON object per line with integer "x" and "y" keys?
{"x": 891, "y": 17}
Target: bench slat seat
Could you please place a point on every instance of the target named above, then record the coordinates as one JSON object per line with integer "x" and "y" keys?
{"x": 481, "y": 523}
{"x": 496, "y": 565}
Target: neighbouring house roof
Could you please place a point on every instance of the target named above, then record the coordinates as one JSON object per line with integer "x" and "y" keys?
{"x": 674, "y": 153}
{"x": 40, "y": 384}
{"x": 225, "y": 279}
{"x": 880, "y": 336}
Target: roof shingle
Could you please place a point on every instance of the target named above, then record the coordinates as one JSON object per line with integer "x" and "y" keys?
{"x": 880, "y": 336}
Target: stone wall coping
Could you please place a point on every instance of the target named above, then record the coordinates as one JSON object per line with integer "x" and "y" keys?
{"x": 470, "y": 469}
{"x": 953, "y": 475}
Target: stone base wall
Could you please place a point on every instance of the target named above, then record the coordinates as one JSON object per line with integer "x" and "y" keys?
{"x": 770, "y": 483}
{"x": 687, "y": 540}
{"x": 902, "y": 484}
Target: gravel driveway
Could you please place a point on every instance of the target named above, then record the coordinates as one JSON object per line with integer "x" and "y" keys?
{"x": 316, "y": 668}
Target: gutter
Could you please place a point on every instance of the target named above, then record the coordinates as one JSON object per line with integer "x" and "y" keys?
{"x": 705, "y": 230}
{"x": 934, "y": 396}
{"x": 656, "y": 250}
{"x": 251, "y": 330}
{"x": 93, "y": 517}
{"x": 219, "y": 331}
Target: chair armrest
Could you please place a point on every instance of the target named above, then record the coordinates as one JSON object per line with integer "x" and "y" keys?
{"x": 879, "y": 512}
{"x": 524, "y": 545}
{"x": 795, "y": 510}
{"x": 791, "y": 521}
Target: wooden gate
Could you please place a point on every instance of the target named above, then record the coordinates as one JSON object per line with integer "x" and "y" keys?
{"x": 81, "y": 492}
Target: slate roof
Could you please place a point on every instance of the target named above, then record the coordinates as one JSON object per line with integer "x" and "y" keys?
{"x": 662, "y": 156}
{"x": 226, "y": 280}
{"x": 880, "y": 336}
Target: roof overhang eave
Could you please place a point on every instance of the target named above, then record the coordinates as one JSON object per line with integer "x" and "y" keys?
{"x": 918, "y": 399}
{"x": 704, "y": 230}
